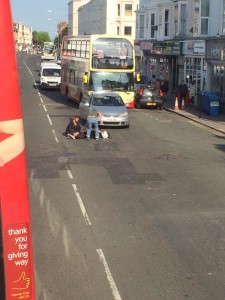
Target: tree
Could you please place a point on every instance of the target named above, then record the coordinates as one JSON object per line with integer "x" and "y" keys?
{"x": 64, "y": 32}
{"x": 59, "y": 37}
{"x": 43, "y": 37}
{"x": 56, "y": 41}
{"x": 35, "y": 37}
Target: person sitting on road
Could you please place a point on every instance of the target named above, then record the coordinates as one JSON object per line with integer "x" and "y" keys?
{"x": 92, "y": 120}
{"x": 73, "y": 129}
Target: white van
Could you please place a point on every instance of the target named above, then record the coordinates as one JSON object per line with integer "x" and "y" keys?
{"x": 50, "y": 75}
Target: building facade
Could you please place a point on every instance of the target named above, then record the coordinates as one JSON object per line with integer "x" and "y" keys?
{"x": 73, "y": 6}
{"x": 22, "y": 36}
{"x": 116, "y": 17}
{"x": 183, "y": 39}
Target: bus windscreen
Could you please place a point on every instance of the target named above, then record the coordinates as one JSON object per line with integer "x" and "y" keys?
{"x": 108, "y": 53}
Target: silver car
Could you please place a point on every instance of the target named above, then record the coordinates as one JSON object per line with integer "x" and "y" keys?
{"x": 109, "y": 104}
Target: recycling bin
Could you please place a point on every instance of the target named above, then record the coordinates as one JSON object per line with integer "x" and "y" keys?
{"x": 208, "y": 98}
{"x": 214, "y": 108}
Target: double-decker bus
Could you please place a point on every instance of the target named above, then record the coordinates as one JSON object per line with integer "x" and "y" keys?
{"x": 98, "y": 62}
{"x": 48, "y": 51}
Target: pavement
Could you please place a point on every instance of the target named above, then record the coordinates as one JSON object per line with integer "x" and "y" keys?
{"x": 193, "y": 113}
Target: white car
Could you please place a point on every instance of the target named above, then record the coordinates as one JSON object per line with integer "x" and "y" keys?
{"x": 109, "y": 104}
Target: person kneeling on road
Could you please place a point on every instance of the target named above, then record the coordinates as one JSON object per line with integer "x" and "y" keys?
{"x": 73, "y": 129}
{"x": 92, "y": 120}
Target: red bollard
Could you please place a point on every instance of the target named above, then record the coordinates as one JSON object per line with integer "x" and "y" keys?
{"x": 14, "y": 198}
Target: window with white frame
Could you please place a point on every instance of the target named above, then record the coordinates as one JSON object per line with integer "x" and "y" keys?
{"x": 146, "y": 25}
{"x": 160, "y": 24}
{"x": 196, "y": 18}
{"x": 152, "y": 33}
{"x": 166, "y": 22}
{"x": 142, "y": 27}
{"x": 223, "y": 24}
{"x": 127, "y": 30}
{"x": 128, "y": 10}
{"x": 183, "y": 19}
{"x": 176, "y": 31}
{"x": 205, "y": 17}
{"x": 118, "y": 10}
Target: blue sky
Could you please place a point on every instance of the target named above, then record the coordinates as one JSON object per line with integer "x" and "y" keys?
{"x": 36, "y": 14}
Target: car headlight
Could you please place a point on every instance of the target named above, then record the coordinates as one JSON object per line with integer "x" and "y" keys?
{"x": 125, "y": 114}
{"x": 44, "y": 80}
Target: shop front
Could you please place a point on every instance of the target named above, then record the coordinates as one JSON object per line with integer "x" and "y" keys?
{"x": 161, "y": 61}
{"x": 194, "y": 64}
{"x": 215, "y": 57}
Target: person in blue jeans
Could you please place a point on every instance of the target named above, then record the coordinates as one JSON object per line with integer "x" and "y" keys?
{"x": 92, "y": 120}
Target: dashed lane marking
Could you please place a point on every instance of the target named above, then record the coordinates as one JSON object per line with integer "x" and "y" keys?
{"x": 55, "y": 137}
{"x": 49, "y": 119}
{"x": 82, "y": 207}
{"x": 112, "y": 283}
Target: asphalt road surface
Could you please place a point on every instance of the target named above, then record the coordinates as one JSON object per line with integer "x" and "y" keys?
{"x": 137, "y": 217}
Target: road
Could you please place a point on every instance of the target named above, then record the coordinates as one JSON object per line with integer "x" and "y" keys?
{"x": 136, "y": 217}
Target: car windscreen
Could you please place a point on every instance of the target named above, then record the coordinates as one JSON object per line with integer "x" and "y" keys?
{"x": 107, "y": 100}
{"x": 51, "y": 72}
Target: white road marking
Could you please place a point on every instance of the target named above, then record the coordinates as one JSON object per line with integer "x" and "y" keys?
{"x": 39, "y": 94}
{"x": 69, "y": 174}
{"x": 41, "y": 100}
{"x": 56, "y": 139}
{"x": 112, "y": 283}
{"x": 45, "y": 108}
{"x": 82, "y": 207}
{"x": 49, "y": 119}
{"x": 28, "y": 69}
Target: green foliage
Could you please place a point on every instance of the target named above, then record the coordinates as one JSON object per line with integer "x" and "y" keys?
{"x": 56, "y": 41}
{"x": 43, "y": 37}
{"x": 59, "y": 37}
{"x": 40, "y": 37}
{"x": 35, "y": 37}
{"x": 64, "y": 32}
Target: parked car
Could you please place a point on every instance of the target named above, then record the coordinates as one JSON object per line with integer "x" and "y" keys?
{"x": 148, "y": 96}
{"x": 139, "y": 84}
{"x": 111, "y": 106}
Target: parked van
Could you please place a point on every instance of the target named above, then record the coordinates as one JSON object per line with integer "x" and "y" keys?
{"x": 50, "y": 75}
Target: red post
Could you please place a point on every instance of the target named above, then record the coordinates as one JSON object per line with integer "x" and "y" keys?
{"x": 14, "y": 198}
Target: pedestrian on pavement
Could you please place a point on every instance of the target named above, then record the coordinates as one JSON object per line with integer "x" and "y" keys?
{"x": 182, "y": 92}
{"x": 164, "y": 88}
{"x": 73, "y": 129}
{"x": 92, "y": 120}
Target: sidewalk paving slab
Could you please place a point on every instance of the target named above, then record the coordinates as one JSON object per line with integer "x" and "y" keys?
{"x": 214, "y": 122}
